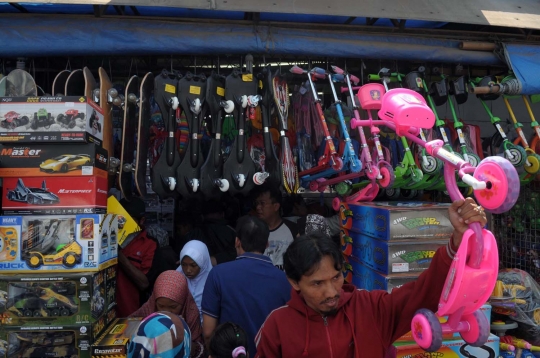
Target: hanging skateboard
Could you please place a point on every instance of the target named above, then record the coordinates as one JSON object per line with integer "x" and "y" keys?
{"x": 239, "y": 168}
{"x": 191, "y": 96}
{"x": 102, "y": 96}
{"x": 212, "y": 183}
{"x": 59, "y": 83}
{"x": 280, "y": 89}
{"x": 19, "y": 83}
{"x": 75, "y": 85}
{"x": 164, "y": 171}
{"x": 272, "y": 166}
{"x": 129, "y": 129}
{"x": 145, "y": 114}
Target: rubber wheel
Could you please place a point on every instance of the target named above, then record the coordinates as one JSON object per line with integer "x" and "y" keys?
{"x": 224, "y": 185}
{"x": 434, "y": 165}
{"x": 478, "y": 332}
{"x": 37, "y": 313}
{"x": 416, "y": 175}
{"x": 64, "y": 312}
{"x": 70, "y": 259}
{"x": 64, "y": 168}
{"x": 518, "y": 156}
{"x": 338, "y": 164}
{"x": 10, "y": 195}
{"x": 27, "y": 313}
{"x": 409, "y": 194}
{"x": 474, "y": 159}
{"x": 388, "y": 177}
{"x": 343, "y": 188}
{"x": 54, "y": 312}
{"x": 426, "y": 330}
{"x": 34, "y": 261}
{"x": 534, "y": 160}
{"x": 392, "y": 193}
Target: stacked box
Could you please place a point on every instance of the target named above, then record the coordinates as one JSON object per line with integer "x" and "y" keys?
{"x": 114, "y": 341}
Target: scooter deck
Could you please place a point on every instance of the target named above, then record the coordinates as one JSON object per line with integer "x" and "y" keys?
{"x": 129, "y": 129}
{"x": 145, "y": 114}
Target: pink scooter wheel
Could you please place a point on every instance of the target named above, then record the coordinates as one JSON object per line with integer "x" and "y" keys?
{"x": 503, "y": 185}
{"x": 336, "y": 203}
{"x": 315, "y": 185}
{"x": 388, "y": 176}
{"x": 338, "y": 164}
{"x": 478, "y": 332}
{"x": 426, "y": 330}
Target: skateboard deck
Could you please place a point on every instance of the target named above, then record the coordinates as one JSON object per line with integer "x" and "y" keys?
{"x": 239, "y": 167}
{"x": 104, "y": 86}
{"x": 128, "y": 138}
{"x": 20, "y": 83}
{"x": 164, "y": 171}
{"x": 143, "y": 132}
{"x": 191, "y": 96}
{"x": 59, "y": 83}
{"x": 75, "y": 85}
{"x": 89, "y": 83}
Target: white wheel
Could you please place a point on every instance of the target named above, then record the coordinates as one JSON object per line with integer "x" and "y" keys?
{"x": 244, "y": 101}
{"x": 174, "y": 103}
{"x": 229, "y": 107}
{"x": 260, "y": 177}
{"x": 223, "y": 185}
{"x": 114, "y": 162}
{"x": 112, "y": 92}
{"x": 117, "y": 101}
{"x": 195, "y": 184}
{"x": 132, "y": 98}
{"x": 241, "y": 180}
{"x": 196, "y": 106}
{"x": 172, "y": 183}
{"x": 127, "y": 168}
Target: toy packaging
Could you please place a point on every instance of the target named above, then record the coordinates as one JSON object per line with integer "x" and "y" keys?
{"x": 450, "y": 349}
{"x": 397, "y": 220}
{"x": 391, "y": 256}
{"x": 67, "y": 341}
{"x": 114, "y": 342}
{"x": 126, "y": 224}
{"x": 368, "y": 279}
{"x": 50, "y": 119}
{"x": 63, "y": 243}
{"x": 45, "y": 300}
{"x": 46, "y": 160}
{"x": 54, "y": 195}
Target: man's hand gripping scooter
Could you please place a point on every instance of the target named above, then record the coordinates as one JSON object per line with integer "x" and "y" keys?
{"x": 473, "y": 273}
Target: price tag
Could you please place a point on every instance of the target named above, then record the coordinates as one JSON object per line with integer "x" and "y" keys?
{"x": 170, "y": 88}
{"x": 195, "y": 90}
{"x": 220, "y": 91}
{"x": 400, "y": 267}
{"x": 248, "y": 77}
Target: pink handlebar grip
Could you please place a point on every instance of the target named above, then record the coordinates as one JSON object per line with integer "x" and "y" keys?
{"x": 354, "y": 79}
{"x": 337, "y": 70}
{"x": 297, "y": 70}
{"x": 346, "y": 89}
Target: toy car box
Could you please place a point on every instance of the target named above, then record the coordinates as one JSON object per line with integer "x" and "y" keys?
{"x": 46, "y": 160}
{"x": 50, "y": 120}
{"x": 59, "y": 299}
{"x": 59, "y": 243}
{"x": 114, "y": 341}
{"x": 46, "y": 341}
{"x": 397, "y": 220}
{"x": 391, "y": 256}
{"x": 368, "y": 279}
{"x": 55, "y": 195}
{"x": 451, "y": 349}
{"x": 126, "y": 224}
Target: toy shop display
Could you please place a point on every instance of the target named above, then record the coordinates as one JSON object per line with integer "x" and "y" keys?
{"x": 50, "y": 120}
{"x": 49, "y": 160}
{"x": 56, "y": 300}
{"x": 397, "y": 220}
{"x": 114, "y": 341}
{"x": 65, "y": 243}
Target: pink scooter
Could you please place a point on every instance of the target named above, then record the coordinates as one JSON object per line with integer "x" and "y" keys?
{"x": 473, "y": 272}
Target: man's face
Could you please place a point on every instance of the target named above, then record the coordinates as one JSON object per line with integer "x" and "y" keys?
{"x": 265, "y": 207}
{"x": 321, "y": 289}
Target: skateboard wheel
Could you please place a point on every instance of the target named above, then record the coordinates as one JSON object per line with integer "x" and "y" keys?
{"x": 114, "y": 162}
{"x": 127, "y": 168}
{"x": 223, "y": 185}
{"x": 132, "y": 98}
{"x": 502, "y": 184}
{"x": 170, "y": 182}
{"x": 338, "y": 164}
{"x": 97, "y": 92}
{"x": 196, "y": 106}
{"x": 260, "y": 177}
{"x": 518, "y": 156}
{"x": 112, "y": 92}
{"x": 426, "y": 330}
{"x": 228, "y": 107}
{"x": 241, "y": 180}
{"x": 244, "y": 101}
{"x": 478, "y": 332}
{"x": 195, "y": 184}
{"x": 174, "y": 102}
{"x": 117, "y": 101}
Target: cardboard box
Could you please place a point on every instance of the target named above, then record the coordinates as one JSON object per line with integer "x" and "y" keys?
{"x": 59, "y": 243}
{"x": 368, "y": 279}
{"x": 50, "y": 120}
{"x": 46, "y": 160}
{"x": 397, "y": 220}
{"x": 55, "y": 195}
{"x": 126, "y": 224}
{"x": 451, "y": 349}
{"x": 46, "y": 341}
{"x": 392, "y": 256}
{"x": 54, "y": 299}
{"x": 114, "y": 342}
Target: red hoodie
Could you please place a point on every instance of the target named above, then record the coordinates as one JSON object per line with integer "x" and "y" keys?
{"x": 365, "y": 325}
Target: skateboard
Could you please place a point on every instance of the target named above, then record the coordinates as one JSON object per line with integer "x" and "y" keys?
{"x": 145, "y": 114}
{"x": 59, "y": 83}
{"x": 104, "y": 86}
{"x": 128, "y": 138}
{"x": 164, "y": 171}
{"x": 191, "y": 96}
{"x": 239, "y": 168}
{"x": 212, "y": 182}
{"x": 89, "y": 83}
{"x": 19, "y": 83}
{"x": 75, "y": 85}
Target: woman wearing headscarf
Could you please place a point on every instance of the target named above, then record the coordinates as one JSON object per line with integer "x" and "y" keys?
{"x": 195, "y": 264}
{"x": 171, "y": 294}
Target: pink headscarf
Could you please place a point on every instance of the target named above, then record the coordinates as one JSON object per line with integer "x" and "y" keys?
{"x": 173, "y": 285}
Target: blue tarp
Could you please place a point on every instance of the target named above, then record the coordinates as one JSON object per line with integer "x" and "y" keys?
{"x": 524, "y": 60}
{"x": 57, "y": 35}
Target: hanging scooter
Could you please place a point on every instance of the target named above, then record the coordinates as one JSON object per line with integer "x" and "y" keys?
{"x": 164, "y": 171}
{"x": 212, "y": 182}
{"x": 239, "y": 169}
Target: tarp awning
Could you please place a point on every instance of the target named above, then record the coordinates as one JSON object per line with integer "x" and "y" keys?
{"x": 524, "y": 60}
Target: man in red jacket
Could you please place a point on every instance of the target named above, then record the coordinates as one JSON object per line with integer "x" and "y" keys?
{"x": 328, "y": 319}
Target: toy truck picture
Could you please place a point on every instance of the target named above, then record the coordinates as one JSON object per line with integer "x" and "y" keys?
{"x": 42, "y": 118}
{"x": 69, "y": 119}
{"x": 13, "y": 120}
{"x": 38, "y": 301}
